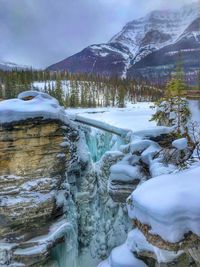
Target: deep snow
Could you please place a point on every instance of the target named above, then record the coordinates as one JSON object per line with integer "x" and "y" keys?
{"x": 42, "y": 105}
{"x": 169, "y": 204}
{"x": 135, "y": 117}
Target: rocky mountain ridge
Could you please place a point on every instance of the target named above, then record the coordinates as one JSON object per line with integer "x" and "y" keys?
{"x": 146, "y": 47}
{"x": 8, "y": 66}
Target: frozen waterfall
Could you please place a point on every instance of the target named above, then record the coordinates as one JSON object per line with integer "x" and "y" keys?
{"x": 97, "y": 223}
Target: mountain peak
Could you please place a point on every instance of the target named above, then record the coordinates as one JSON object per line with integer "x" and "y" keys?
{"x": 152, "y": 39}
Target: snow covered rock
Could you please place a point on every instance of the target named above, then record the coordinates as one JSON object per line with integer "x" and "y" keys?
{"x": 124, "y": 178}
{"x": 137, "y": 242}
{"x": 30, "y": 105}
{"x": 137, "y": 247}
{"x": 180, "y": 144}
{"x": 122, "y": 257}
{"x": 125, "y": 173}
{"x": 166, "y": 209}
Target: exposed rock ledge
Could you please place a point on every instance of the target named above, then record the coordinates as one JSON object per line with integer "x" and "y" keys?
{"x": 190, "y": 240}
{"x": 35, "y": 153}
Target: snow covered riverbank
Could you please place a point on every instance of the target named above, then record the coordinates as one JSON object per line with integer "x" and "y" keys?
{"x": 135, "y": 117}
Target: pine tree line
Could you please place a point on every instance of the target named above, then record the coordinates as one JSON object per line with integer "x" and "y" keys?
{"x": 73, "y": 93}
{"x": 78, "y": 90}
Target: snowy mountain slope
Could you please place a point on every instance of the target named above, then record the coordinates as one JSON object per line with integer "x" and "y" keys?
{"x": 156, "y": 30}
{"x": 138, "y": 39}
{"x": 10, "y": 66}
{"x": 96, "y": 59}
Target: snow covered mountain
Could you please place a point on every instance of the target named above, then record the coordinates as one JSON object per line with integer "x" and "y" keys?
{"x": 10, "y": 66}
{"x": 146, "y": 47}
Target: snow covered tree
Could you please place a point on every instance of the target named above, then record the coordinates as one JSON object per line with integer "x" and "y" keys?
{"x": 173, "y": 110}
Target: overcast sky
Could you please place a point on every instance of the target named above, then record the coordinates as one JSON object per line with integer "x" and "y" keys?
{"x": 42, "y": 32}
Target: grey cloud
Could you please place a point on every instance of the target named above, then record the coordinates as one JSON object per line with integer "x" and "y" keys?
{"x": 41, "y": 32}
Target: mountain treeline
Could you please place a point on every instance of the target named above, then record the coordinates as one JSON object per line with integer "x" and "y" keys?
{"x": 78, "y": 90}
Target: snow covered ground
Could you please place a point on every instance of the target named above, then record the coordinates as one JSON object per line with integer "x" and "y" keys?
{"x": 135, "y": 117}
{"x": 194, "y": 106}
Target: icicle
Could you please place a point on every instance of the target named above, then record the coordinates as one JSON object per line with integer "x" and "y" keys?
{"x": 66, "y": 254}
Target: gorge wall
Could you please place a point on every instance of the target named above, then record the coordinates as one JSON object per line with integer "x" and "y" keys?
{"x": 55, "y": 209}
{"x": 34, "y": 156}
{"x": 64, "y": 188}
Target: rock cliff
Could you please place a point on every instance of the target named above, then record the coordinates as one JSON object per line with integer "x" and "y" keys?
{"x": 55, "y": 209}
{"x": 35, "y": 154}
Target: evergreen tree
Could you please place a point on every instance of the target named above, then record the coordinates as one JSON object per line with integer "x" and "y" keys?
{"x": 45, "y": 88}
{"x": 177, "y": 86}
{"x": 72, "y": 94}
{"x": 198, "y": 87}
{"x": 1, "y": 91}
{"x": 121, "y": 96}
{"x": 59, "y": 91}
{"x": 175, "y": 102}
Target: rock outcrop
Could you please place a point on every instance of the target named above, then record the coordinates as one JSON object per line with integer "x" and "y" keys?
{"x": 54, "y": 201}
{"x": 35, "y": 154}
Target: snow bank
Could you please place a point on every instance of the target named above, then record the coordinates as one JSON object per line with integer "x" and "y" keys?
{"x": 154, "y": 131}
{"x": 169, "y": 204}
{"x": 41, "y": 105}
{"x": 124, "y": 172}
{"x": 135, "y": 117}
{"x": 122, "y": 257}
{"x": 194, "y": 106}
{"x": 180, "y": 144}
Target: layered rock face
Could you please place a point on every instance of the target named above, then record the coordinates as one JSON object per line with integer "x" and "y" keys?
{"x": 33, "y": 160}
{"x": 55, "y": 209}
{"x": 35, "y": 154}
